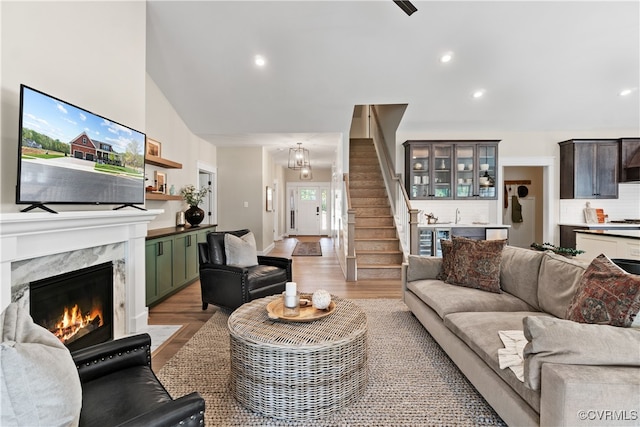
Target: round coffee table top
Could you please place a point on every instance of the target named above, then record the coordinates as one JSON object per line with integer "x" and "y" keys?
{"x": 251, "y": 323}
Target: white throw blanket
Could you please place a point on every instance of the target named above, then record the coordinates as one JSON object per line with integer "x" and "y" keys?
{"x": 511, "y": 355}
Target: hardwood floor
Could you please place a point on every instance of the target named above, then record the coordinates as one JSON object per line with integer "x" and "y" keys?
{"x": 309, "y": 272}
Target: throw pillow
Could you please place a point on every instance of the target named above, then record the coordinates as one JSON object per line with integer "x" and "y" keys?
{"x": 241, "y": 251}
{"x": 476, "y": 264}
{"x": 447, "y": 259}
{"x": 39, "y": 380}
{"x": 553, "y": 340}
{"x": 423, "y": 267}
{"x": 606, "y": 295}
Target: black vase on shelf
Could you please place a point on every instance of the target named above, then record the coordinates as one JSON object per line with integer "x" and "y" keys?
{"x": 194, "y": 215}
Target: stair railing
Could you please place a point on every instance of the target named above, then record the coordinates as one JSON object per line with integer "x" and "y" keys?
{"x": 351, "y": 263}
{"x": 405, "y": 217}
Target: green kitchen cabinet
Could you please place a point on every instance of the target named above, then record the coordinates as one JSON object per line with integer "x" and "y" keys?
{"x": 172, "y": 260}
{"x": 185, "y": 264}
{"x": 159, "y": 268}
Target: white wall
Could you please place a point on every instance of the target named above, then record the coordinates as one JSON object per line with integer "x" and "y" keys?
{"x": 178, "y": 144}
{"x": 241, "y": 180}
{"x": 73, "y": 51}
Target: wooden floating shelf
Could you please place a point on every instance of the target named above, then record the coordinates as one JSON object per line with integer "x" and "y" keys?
{"x": 164, "y": 163}
{"x": 160, "y": 196}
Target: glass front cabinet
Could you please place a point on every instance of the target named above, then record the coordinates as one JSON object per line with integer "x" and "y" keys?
{"x": 451, "y": 169}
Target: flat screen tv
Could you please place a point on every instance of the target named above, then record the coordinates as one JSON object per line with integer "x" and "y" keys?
{"x": 70, "y": 155}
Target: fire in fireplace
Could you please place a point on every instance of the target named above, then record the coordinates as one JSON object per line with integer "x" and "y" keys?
{"x": 77, "y": 307}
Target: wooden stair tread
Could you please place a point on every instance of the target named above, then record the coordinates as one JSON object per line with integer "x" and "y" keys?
{"x": 380, "y": 266}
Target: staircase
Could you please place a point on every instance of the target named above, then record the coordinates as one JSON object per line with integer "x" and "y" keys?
{"x": 377, "y": 246}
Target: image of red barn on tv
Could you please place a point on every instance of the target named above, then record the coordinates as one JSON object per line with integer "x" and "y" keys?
{"x": 70, "y": 155}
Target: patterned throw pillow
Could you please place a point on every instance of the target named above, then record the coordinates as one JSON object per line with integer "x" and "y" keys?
{"x": 447, "y": 259}
{"x": 476, "y": 264}
{"x": 606, "y": 295}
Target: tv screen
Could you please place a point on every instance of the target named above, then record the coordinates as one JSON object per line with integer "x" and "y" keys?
{"x": 70, "y": 155}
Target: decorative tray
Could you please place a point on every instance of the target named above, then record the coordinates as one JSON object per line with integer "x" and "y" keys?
{"x": 308, "y": 313}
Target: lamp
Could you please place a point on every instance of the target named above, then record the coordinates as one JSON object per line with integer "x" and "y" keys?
{"x": 299, "y": 158}
{"x": 305, "y": 173}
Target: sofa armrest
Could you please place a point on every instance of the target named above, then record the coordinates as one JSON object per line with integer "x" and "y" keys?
{"x": 280, "y": 262}
{"x": 186, "y": 411}
{"x": 104, "y": 358}
{"x": 574, "y": 395}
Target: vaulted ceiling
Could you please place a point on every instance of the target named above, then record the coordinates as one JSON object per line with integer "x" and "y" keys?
{"x": 543, "y": 66}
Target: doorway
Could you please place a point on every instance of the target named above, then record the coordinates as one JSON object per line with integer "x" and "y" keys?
{"x": 540, "y": 194}
{"x": 308, "y": 208}
{"x": 207, "y": 176}
{"x": 523, "y": 204}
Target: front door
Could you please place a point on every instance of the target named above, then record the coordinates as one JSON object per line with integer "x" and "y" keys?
{"x": 309, "y": 204}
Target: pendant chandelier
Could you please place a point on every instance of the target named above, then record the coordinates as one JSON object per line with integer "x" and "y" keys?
{"x": 305, "y": 173}
{"x": 299, "y": 158}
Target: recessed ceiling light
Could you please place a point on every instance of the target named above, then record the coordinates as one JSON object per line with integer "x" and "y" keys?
{"x": 447, "y": 57}
{"x": 626, "y": 92}
{"x": 260, "y": 61}
{"x": 478, "y": 93}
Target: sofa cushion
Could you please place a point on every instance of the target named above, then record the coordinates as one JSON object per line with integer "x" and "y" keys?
{"x": 241, "y": 251}
{"x": 143, "y": 393}
{"x": 557, "y": 283}
{"x": 39, "y": 381}
{"x": 423, "y": 267}
{"x": 476, "y": 264}
{"x": 480, "y": 332}
{"x": 606, "y": 295}
{"x": 519, "y": 269}
{"x": 553, "y": 340}
{"x": 445, "y": 299}
{"x": 447, "y": 259}
{"x": 261, "y": 276}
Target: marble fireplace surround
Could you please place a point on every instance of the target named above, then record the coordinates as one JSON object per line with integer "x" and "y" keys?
{"x": 35, "y": 245}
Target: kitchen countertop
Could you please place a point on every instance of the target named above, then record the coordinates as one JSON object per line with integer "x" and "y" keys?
{"x": 465, "y": 225}
{"x": 600, "y": 225}
{"x": 630, "y": 234}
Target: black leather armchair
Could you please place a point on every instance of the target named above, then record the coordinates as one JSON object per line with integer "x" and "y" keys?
{"x": 231, "y": 286}
{"x": 119, "y": 388}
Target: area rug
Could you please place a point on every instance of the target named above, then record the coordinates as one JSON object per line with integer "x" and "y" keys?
{"x": 307, "y": 249}
{"x": 412, "y": 382}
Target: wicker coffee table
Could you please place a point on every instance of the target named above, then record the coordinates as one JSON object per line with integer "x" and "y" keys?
{"x": 298, "y": 371}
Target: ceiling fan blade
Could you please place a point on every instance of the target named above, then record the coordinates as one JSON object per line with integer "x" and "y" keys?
{"x": 407, "y": 6}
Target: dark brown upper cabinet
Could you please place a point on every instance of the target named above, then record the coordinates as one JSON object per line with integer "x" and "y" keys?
{"x": 589, "y": 168}
{"x": 629, "y": 159}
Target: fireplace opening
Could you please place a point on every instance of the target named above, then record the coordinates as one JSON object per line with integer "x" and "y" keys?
{"x": 77, "y": 307}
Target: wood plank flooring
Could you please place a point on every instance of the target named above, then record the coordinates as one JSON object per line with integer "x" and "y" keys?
{"x": 309, "y": 272}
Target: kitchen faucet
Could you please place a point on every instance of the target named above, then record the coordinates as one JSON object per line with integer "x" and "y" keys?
{"x": 458, "y": 215}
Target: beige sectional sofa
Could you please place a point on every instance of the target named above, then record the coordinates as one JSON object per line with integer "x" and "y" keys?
{"x": 584, "y": 389}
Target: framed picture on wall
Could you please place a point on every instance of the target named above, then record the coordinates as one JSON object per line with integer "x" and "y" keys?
{"x": 154, "y": 148}
{"x": 161, "y": 182}
{"x": 269, "y": 196}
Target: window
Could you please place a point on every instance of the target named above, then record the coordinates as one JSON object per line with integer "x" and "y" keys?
{"x": 308, "y": 194}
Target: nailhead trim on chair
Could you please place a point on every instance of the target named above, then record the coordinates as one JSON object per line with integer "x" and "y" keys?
{"x": 143, "y": 348}
{"x": 193, "y": 417}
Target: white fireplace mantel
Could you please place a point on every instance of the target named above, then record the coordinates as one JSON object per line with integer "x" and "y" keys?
{"x": 30, "y": 235}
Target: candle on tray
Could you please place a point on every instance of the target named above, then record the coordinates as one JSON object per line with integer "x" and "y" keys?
{"x": 291, "y": 300}
{"x": 290, "y": 288}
